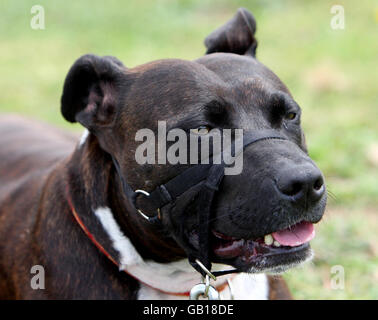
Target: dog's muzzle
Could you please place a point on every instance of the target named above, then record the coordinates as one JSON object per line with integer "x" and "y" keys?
{"x": 211, "y": 175}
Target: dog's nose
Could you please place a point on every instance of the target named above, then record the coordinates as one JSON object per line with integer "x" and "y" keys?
{"x": 301, "y": 183}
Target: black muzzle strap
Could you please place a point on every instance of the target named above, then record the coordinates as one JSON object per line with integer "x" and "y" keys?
{"x": 205, "y": 201}
{"x": 175, "y": 187}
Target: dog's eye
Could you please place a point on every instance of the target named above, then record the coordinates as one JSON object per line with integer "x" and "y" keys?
{"x": 291, "y": 116}
{"x": 202, "y": 130}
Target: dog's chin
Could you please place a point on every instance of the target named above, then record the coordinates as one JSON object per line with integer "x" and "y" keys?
{"x": 261, "y": 255}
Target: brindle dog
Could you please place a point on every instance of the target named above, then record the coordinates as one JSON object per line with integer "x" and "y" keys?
{"x": 44, "y": 179}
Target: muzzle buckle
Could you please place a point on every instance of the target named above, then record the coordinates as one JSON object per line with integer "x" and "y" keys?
{"x": 150, "y": 219}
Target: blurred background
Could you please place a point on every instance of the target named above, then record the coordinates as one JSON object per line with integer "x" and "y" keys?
{"x": 332, "y": 74}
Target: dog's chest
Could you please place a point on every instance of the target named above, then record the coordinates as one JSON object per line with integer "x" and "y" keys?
{"x": 244, "y": 287}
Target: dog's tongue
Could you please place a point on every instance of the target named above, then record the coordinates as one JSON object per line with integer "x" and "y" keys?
{"x": 295, "y": 235}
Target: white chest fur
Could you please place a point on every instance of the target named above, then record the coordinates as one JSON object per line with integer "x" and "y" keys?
{"x": 245, "y": 287}
{"x": 175, "y": 277}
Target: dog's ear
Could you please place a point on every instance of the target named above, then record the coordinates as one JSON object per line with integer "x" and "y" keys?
{"x": 91, "y": 90}
{"x": 235, "y": 36}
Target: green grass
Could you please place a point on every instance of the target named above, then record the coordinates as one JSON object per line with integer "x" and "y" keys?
{"x": 331, "y": 73}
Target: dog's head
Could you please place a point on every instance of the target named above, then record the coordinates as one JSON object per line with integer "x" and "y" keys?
{"x": 261, "y": 218}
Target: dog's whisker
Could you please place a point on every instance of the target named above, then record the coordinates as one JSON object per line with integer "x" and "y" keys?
{"x": 331, "y": 195}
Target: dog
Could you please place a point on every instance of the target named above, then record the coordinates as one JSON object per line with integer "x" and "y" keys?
{"x": 63, "y": 207}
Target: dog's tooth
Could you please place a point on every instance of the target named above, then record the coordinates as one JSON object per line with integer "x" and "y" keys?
{"x": 268, "y": 239}
{"x": 276, "y": 243}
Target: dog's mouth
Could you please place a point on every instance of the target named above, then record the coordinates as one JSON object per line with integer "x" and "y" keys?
{"x": 275, "y": 252}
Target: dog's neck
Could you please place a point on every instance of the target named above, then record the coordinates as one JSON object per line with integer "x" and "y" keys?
{"x": 94, "y": 184}
{"x": 141, "y": 250}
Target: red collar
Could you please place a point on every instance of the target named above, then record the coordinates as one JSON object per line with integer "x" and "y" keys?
{"x": 102, "y": 249}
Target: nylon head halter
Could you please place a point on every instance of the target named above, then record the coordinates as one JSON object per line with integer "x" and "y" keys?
{"x": 211, "y": 176}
